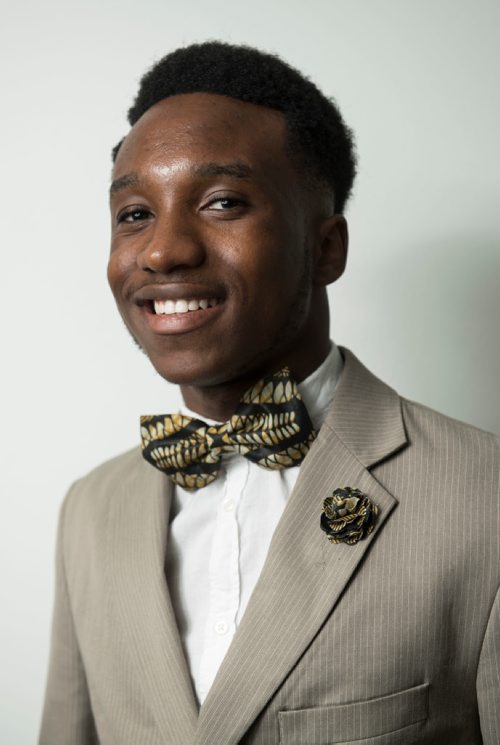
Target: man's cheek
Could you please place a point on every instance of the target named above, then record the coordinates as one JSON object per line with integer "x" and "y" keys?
{"x": 119, "y": 266}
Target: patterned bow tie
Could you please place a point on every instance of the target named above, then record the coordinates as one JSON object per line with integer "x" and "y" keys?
{"x": 271, "y": 427}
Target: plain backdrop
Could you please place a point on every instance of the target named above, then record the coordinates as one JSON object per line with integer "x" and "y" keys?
{"x": 419, "y": 303}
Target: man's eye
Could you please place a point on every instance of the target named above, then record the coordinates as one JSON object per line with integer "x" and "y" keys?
{"x": 224, "y": 203}
{"x": 133, "y": 215}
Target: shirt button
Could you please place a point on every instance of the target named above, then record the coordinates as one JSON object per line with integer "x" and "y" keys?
{"x": 229, "y": 505}
{"x": 221, "y": 628}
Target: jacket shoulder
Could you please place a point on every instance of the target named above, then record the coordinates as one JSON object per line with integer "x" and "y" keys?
{"x": 422, "y": 419}
{"x": 446, "y": 445}
{"x": 92, "y": 493}
{"x": 117, "y": 467}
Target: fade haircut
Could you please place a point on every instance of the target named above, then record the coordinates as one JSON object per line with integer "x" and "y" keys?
{"x": 317, "y": 135}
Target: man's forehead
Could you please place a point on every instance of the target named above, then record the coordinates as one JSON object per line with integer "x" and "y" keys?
{"x": 201, "y": 120}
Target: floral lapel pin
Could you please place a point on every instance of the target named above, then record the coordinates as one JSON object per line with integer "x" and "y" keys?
{"x": 348, "y": 516}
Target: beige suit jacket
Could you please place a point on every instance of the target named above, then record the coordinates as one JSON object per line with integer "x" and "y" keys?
{"x": 394, "y": 640}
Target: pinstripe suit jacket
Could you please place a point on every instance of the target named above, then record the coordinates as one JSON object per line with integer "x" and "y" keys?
{"x": 393, "y": 640}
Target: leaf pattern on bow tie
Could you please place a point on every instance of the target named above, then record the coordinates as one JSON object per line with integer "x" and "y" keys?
{"x": 271, "y": 427}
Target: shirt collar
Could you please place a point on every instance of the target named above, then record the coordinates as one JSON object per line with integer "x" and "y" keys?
{"x": 318, "y": 389}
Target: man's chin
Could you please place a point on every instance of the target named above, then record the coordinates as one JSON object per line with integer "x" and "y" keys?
{"x": 176, "y": 368}
{"x": 188, "y": 369}
{"x": 198, "y": 370}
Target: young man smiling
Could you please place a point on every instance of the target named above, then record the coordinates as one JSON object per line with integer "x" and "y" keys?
{"x": 301, "y": 556}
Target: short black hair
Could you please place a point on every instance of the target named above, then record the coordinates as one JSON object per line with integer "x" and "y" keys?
{"x": 317, "y": 132}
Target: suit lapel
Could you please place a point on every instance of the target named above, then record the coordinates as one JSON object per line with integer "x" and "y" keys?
{"x": 138, "y": 528}
{"x": 304, "y": 574}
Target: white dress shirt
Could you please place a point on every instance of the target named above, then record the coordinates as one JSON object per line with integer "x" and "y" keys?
{"x": 219, "y": 537}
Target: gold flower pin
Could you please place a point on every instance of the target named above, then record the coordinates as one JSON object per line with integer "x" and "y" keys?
{"x": 348, "y": 516}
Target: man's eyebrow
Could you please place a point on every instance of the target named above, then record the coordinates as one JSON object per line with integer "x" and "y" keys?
{"x": 237, "y": 169}
{"x": 129, "y": 179}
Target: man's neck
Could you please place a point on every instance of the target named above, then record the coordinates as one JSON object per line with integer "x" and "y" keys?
{"x": 219, "y": 402}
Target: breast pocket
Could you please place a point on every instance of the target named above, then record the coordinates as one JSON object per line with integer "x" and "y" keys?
{"x": 387, "y": 720}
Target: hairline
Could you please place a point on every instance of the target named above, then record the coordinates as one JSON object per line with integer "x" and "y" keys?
{"x": 307, "y": 173}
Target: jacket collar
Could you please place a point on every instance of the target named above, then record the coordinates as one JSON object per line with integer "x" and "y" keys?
{"x": 366, "y": 414}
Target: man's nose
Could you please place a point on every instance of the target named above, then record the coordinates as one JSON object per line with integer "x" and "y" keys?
{"x": 171, "y": 246}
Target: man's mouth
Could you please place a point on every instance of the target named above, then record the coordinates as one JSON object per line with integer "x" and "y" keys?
{"x": 181, "y": 315}
{"x": 178, "y": 308}
{"x": 171, "y": 307}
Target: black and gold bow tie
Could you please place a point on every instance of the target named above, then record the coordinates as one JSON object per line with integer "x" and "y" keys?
{"x": 271, "y": 427}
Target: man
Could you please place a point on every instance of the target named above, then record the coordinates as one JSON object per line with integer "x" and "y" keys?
{"x": 302, "y": 564}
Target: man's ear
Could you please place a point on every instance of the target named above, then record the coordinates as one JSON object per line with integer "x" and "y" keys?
{"x": 331, "y": 251}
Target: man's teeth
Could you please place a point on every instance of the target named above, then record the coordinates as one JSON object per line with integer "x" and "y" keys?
{"x": 168, "y": 307}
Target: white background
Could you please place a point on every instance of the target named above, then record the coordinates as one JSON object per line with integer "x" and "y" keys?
{"x": 417, "y": 80}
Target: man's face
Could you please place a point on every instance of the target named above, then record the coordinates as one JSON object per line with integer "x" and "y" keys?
{"x": 210, "y": 251}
